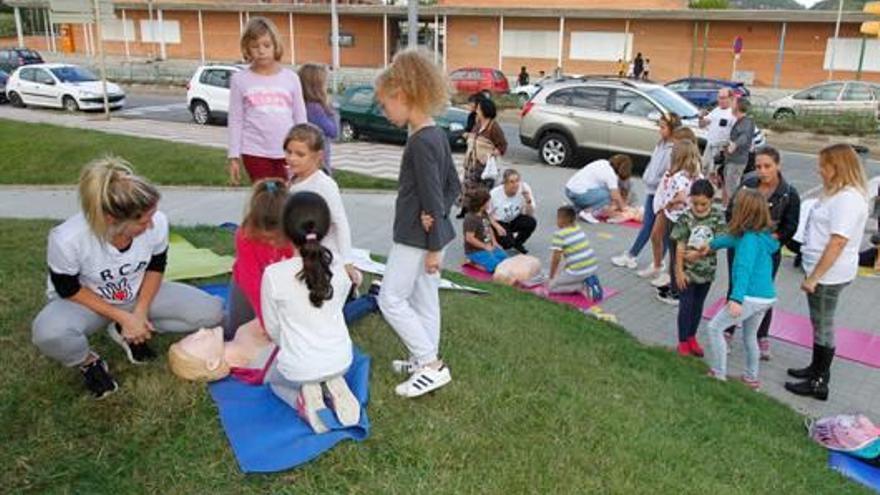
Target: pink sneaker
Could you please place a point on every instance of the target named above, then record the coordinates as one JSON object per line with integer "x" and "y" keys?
{"x": 764, "y": 346}
{"x": 752, "y": 383}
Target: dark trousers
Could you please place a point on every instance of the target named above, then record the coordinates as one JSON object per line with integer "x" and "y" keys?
{"x": 868, "y": 257}
{"x": 518, "y": 231}
{"x": 670, "y": 247}
{"x": 690, "y": 309}
{"x": 764, "y": 329}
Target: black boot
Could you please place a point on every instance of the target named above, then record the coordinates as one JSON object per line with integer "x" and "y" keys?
{"x": 817, "y": 385}
{"x": 808, "y": 371}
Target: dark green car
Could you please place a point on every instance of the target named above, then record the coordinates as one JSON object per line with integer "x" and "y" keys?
{"x": 360, "y": 116}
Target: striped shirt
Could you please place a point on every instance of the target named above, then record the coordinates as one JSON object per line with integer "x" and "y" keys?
{"x": 580, "y": 260}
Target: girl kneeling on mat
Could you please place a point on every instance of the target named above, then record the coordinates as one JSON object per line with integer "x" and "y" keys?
{"x": 302, "y": 300}
{"x": 105, "y": 270}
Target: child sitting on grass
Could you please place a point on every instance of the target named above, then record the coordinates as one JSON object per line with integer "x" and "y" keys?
{"x": 480, "y": 245}
{"x": 694, "y": 274}
{"x": 570, "y": 243}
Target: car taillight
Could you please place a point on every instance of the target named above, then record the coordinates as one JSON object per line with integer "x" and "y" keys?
{"x": 526, "y": 108}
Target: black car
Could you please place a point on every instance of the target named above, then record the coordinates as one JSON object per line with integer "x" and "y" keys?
{"x": 13, "y": 58}
{"x": 3, "y": 78}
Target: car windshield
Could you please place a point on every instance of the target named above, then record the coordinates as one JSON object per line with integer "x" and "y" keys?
{"x": 73, "y": 74}
{"x": 672, "y": 102}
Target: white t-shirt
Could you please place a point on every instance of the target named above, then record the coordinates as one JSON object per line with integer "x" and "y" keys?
{"x": 844, "y": 214}
{"x": 505, "y": 208}
{"x": 338, "y": 238}
{"x": 720, "y": 123}
{"x": 670, "y": 186}
{"x": 593, "y": 175}
{"x": 113, "y": 275}
{"x": 314, "y": 342}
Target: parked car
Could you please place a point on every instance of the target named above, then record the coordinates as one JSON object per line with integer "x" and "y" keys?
{"x": 61, "y": 86}
{"x": 13, "y": 58}
{"x": 830, "y": 97}
{"x": 526, "y": 92}
{"x": 470, "y": 80}
{"x": 3, "y": 78}
{"x": 703, "y": 92}
{"x": 602, "y": 114}
{"x": 207, "y": 93}
{"x": 360, "y": 115}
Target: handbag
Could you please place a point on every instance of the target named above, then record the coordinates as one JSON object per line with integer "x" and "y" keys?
{"x": 490, "y": 171}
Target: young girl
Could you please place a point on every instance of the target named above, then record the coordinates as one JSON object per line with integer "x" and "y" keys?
{"x": 480, "y": 245}
{"x": 105, "y": 270}
{"x": 259, "y": 242}
{"x": 303, "y": 152}
{"x": 265, "y": 101}
{"x": 752, "y": 277}
{"x": 411, "y": 90}
{"x": 302, "y": 300}
{"x": 669, "y": 204}
{"x": 694, "y": 274}
{"x": 318, "y": 108}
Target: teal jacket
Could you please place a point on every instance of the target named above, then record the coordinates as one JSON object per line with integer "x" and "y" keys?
{"x": 752, "y": 270}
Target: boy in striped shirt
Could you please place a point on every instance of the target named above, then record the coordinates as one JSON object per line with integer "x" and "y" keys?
{"x": 570, "y": 243}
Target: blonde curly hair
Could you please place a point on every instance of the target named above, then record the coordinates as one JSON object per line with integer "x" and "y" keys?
{"x": 422, "y": 83}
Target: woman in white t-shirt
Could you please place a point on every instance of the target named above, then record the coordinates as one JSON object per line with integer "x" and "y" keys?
{"x": 596, "y": 186}
{"x": 105, "y": 267}
{"x": 833, "y": 234}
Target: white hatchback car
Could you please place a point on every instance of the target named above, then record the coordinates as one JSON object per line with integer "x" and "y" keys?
{"x": 207, "y": 93}
{"x": 61, "y": 86}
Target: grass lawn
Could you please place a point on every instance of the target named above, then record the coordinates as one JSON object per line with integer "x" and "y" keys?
{"x": 48, "y": 154}
{"x": 543, "y": 401}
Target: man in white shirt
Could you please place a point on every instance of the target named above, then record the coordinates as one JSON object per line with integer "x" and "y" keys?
{"x": 512, "y": 211}
{"x": 719, "y": 121}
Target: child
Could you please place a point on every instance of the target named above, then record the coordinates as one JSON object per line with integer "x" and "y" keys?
{"x": 570, "y": 243}
{"x": 303, "y": 152}
{"x": 302, "y": 299}
{"x": 480, "y": 245}
{"x": 752, "y": 278}
{"x": 265, "y": 101}
{"x": 411, "y": 90}
{"x": 694, "y": 274}
{"x": 318, "y": 108}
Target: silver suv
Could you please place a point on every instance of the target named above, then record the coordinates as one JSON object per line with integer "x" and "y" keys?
{"x": 604, "y": 114}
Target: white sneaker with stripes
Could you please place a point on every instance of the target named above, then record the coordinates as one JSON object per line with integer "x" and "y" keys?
{"x": 424, "y": 380}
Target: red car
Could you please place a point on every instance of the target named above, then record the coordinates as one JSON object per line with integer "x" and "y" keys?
{"x": 470, "y": 80}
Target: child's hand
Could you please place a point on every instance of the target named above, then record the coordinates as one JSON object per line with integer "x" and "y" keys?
{"x": 704, "y": 250}
{"x": 234, "y": 171}
{"x": 735, "y": 309}
{"x": 354, "y": 275}
{"x": 501, "y": 231}
{"x": 681, "y": 280}
{"x": 692, "y": 255}
{"x": 432, "y": 262}
{"x": 427, "y": 221}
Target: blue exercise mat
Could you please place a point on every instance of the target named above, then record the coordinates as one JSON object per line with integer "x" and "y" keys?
{"x": 855, "y": 469}
{"x": 268, "y": 436}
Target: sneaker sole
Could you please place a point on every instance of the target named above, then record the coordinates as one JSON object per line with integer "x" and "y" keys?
{"x": 660, "y": 282}
{"x": 312, "y": 396}
{"x": 667, "y": 301}
{"x": 121, "y": 342}
{"x": 445, "y": 380}
{"x": 344, "y": 403}
{"x": 108, "y": 393}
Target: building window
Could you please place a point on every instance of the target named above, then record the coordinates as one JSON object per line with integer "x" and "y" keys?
{"x": 154, "y": 31}
{"x": 531, "y": 44}
{"x": 846, "y": 58}
{"x": 600, "y": 46}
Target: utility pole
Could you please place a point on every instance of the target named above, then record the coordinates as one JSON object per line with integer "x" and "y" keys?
{"x": 412, "y": 23}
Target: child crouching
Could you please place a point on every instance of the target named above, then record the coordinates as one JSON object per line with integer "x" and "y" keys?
{"x": 579, "y": 272}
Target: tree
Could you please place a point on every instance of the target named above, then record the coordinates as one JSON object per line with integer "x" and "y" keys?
{"x": 710, "y": 4}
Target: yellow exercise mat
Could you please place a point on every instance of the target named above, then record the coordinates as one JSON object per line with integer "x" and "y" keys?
{"x": 865, "y": 271}
{"x": 186, "y": 261}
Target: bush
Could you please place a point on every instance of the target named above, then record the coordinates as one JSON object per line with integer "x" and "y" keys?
{"x": 819, "y": 122}
{"x": 7, "y": 26}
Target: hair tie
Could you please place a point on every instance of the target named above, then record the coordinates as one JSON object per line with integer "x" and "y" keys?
{"x": 311, "y": 236}
{"x": 272, "y": 187}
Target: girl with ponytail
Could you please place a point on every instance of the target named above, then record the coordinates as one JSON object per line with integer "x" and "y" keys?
{"x": 302, "y": 303}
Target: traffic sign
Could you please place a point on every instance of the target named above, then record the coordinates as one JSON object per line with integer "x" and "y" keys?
{"x": 738, "y": 45}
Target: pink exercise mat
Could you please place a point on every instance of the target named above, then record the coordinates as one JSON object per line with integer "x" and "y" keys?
{"x": 855, "y": 345}
{"x": 574, "y": 299}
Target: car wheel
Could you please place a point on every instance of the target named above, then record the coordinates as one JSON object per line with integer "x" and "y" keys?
{"x": 347, "y": 131}
{"x": 555, "y": 149}
{"x": 69, "y": 104}
{"x": 200, "y": 112}
{"x": 15, "y": 100}
{"x": 783, "y": 114}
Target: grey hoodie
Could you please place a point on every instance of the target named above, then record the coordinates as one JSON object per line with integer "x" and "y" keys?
{"x": 661, "y": 157}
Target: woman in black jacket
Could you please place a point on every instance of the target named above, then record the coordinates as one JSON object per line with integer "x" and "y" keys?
{"x": 785, "y": 207}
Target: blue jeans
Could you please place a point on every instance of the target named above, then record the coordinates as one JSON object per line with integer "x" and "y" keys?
{"x": 645, "y": 232}
{"x": 752, "y": 314}
{"x": 593, "y": 199}
{"x": 356, "y": 309}
{"x": 489, "y": 260}
{"x": 690, "y": 309}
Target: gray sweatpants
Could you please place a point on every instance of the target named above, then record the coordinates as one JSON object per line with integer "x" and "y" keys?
{"x": 62, "y": 327}
{"x": 566, "y": 282}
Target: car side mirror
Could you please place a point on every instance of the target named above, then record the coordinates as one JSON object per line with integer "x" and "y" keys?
{"x": 655, "y": 116}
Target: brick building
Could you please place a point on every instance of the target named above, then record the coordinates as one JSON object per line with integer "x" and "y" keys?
{"x": 781, "y": 48}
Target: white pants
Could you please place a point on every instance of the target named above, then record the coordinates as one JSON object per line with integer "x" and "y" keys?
{"x": 410, "y": 302}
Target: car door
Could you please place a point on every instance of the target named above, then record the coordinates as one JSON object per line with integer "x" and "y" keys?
{"x": 27, "y": 87}
{"x": 458, "y": 80}
{"x": 215, "y": 89}
{"x": 589, "y": 111}
{"x": 818, "y": 99}
{"x": 48, "y": 88}
{"x": 634, "y": 130}
{"x": 857, "y": 97}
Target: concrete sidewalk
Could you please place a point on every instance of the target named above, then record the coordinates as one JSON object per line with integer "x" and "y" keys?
{"x": 854, "y": 387}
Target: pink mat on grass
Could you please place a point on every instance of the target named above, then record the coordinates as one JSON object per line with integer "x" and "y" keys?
{"x": 573, "y": 299}
{"x": 855, "y": 345}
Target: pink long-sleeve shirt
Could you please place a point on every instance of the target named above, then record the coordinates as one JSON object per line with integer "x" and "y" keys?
{"x": 252, "y": 256}
{"x": 262, "y": 109}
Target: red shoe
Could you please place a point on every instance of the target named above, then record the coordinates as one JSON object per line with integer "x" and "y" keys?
{"x": 684, "y": 349}
{"x": 694, "y": 347}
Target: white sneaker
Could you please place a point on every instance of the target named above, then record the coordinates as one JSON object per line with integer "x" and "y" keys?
{"x": 424, "y": 380}
{"x": 661, "y": 280}
{"x": 404, "y": 366}
{"x": 588, "y": 217}
{"x": 344, "y": 403}
{"x": 308, "y": 403}
{"x": 625, "y": 260}
{"x": 650, "y": 271}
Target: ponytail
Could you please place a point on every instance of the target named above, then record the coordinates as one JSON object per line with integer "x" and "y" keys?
{"x": 306, "y": 220}
{"x": 316, "y": 270}
{"x": 109, "y": 187}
